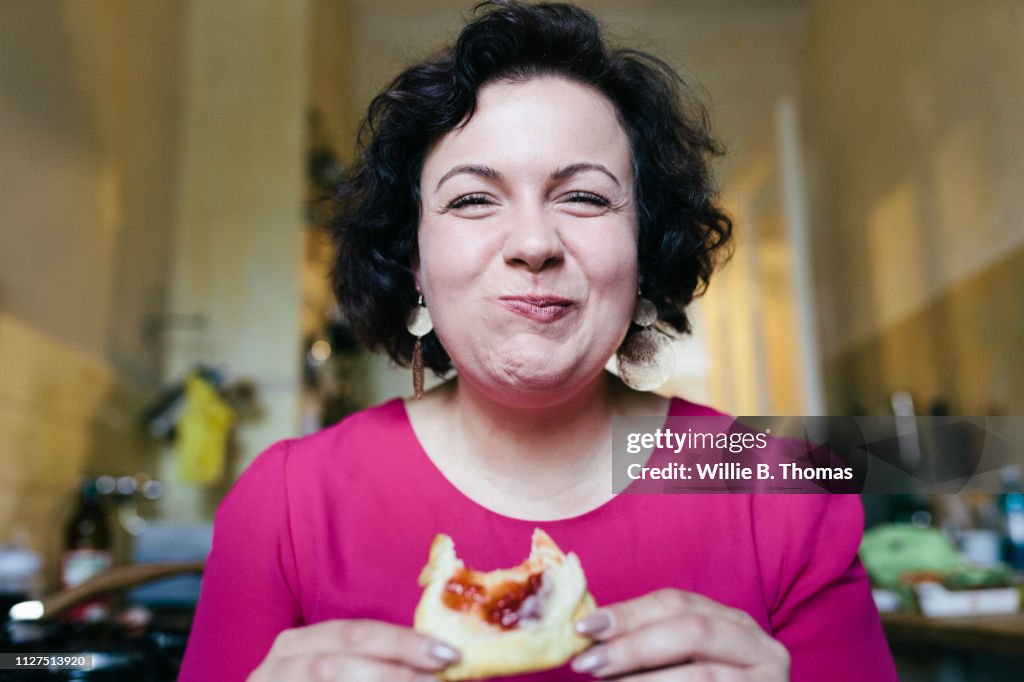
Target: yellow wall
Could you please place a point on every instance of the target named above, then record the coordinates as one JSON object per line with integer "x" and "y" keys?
{"x": 914, "y": 111}
{"x": 963, "y": 346}
{"x": 238, "y": 219}
{"x": 87, "y": 175}
{"x": 152, "y": 166}
{"x": 87, "y": 179}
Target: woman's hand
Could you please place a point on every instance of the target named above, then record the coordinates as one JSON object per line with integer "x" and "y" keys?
{"x": 353, "y": 650}
{"x": 677, "y": 636}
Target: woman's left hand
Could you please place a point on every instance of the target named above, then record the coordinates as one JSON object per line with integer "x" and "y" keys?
{"x": 677, "y": 636}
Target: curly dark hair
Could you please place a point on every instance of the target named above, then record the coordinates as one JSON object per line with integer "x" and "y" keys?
{"x": 683, "y": 232}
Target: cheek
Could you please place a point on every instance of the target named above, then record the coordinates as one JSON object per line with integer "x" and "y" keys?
{"x": 448, "y": 260}
{"x": 609, "y": 259}
{"x": 620, "y": 271}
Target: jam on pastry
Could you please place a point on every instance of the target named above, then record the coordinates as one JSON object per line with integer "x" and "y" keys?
{"x": 508, "y": 621}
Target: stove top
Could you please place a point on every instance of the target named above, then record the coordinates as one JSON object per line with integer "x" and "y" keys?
{"x": 147, "y": 653}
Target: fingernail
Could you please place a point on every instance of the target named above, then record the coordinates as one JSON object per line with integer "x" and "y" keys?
{"x": 591, "y": 661}
{"x": 594, "y": 623}
{"x": 443, "y": 652}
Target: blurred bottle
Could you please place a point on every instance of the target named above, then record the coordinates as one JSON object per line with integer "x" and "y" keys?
{"x": 1011, "y": 504}
{"x": 88, "y": 548}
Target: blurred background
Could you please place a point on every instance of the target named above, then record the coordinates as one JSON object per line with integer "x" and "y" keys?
{"x": 164, "y": 312}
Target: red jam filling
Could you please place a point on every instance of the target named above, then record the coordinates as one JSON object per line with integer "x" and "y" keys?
{"x": 502, "y": 606}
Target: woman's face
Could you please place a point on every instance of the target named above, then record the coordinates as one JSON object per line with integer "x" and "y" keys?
{"x": 527, "y": 238}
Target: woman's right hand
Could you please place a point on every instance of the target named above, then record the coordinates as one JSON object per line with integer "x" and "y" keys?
{"x": 354, "y": 650}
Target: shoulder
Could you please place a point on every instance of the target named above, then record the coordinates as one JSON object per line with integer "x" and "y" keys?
{"x": 681, "y": 407}
{"x": 796, "y": 535}
{"x": 372, "y": 432}
{"x": 373, "y": 426}
{"x": 369, "y": 425}
{"x": 806, "y": 523}
{"x": 805, "y": 538}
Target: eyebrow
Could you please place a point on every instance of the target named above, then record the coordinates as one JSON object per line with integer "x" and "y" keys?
{"x": 575, "y": 168}
{"x": 492, "y": 174}
{"x": 485, "y": 171}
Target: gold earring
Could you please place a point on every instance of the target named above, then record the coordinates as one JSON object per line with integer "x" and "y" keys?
{"x": 645, "y": 359}
{"x": 419, "y": 325}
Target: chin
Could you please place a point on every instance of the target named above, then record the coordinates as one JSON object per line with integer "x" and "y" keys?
{"x": 535, "y": 384}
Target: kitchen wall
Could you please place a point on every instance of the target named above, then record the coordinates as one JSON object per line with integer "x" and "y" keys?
{"x": 151, "y": 177}
{"x": 87, "y": 178}
{"x": 239, "y": 220}
{"x": 89, "y": 96}
{"x": 915, "y": 114}
{"x": 963, "y": 346}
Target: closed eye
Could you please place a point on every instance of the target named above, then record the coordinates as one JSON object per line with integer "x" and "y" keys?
{"x": 588, "y": 198}
{"x": 469, "y": 200}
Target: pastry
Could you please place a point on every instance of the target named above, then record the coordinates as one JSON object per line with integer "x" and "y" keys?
{"x": 508, "y": 621}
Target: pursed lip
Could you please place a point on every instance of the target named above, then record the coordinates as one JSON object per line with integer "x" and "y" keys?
{"x": 538, "y": 308}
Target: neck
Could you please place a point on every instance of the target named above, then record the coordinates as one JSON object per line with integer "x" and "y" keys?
{"x": 546, "y": 445}
{"x": 544, "y": 461}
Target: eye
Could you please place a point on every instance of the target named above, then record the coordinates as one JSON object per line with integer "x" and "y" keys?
{"x": 588, "y": 198}
{"x": 584, "y": 204}
{"x": 469, "y": 200}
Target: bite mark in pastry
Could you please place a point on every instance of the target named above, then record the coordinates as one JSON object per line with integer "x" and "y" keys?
{"x": 508, "y": 621}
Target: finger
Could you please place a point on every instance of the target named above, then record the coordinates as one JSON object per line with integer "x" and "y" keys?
{"x": 338, "y": 668}
{"x": 367, "y": 639}
{"x": 617, "y": 619}
{"x": 698, "y": 672}
{"x": 690, "y": 636}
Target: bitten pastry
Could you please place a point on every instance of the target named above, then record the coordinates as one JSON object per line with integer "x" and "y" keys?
{"x": 509, "y": 621}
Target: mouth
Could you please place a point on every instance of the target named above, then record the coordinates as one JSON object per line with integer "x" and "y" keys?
{"x": 538, "y": 308}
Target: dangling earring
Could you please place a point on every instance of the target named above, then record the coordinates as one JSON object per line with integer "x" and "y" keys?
{"x": 645, "y": 359}
{"x": 419, "y": 325}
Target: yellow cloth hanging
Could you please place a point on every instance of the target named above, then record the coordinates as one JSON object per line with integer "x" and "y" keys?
{"x": 203, "y": 433}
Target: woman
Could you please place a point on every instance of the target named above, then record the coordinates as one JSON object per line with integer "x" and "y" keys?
{"x": 517, "y": 199}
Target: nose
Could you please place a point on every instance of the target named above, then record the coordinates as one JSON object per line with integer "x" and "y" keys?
{"x": 533, "y": 240}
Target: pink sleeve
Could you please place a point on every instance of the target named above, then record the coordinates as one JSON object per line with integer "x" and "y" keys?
{"x": 821, "y": 605}
{"x": 250, "y": 588}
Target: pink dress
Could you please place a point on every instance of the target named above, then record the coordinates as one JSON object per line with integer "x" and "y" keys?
{"x": 338, "y": 525}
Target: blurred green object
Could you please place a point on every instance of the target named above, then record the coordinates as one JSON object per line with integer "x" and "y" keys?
{"x": 977, "y": 578}
{"x": 894, "y": 549}
{"x": 897, "y": 555}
